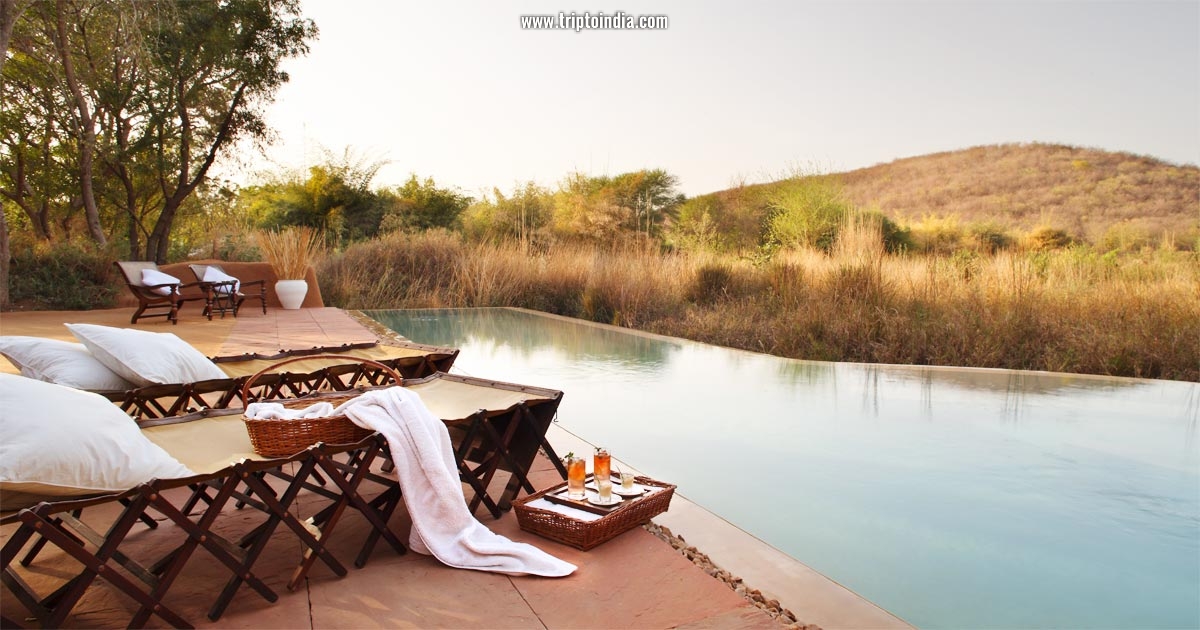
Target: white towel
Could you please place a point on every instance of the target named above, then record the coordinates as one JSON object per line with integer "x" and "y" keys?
{"x": 276, "y": 411}
{"x": 428, "y": 476}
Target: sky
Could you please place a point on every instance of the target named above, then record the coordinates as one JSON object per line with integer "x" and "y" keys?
{"x": 730, "y": 92}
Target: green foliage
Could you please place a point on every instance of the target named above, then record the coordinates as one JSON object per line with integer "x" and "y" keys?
{"x": 602, "y": 208}
{"x": 895, "y": 237}
{"x": 63, "y": 276}
{"x": 154, "y": 94}
{"x": 1047, "y": 238}
{"x": 806, "y": 212}
{"x": 334, "y": 197}
{"x": 520, "y": 215}
{"x": 990, "y": 237}
{"x": 694, "y": 229}
{"x": 727, "y": 221}
{"x": 937, "y": 235}
{"x": 210, "y": 225}
{"x": 421, "y": 205}
{"x": 1126, "y": 236}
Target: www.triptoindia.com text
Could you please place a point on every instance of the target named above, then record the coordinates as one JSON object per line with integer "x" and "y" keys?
{"x": 594, "y": 21}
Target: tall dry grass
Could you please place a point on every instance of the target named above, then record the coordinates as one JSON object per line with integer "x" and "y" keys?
{"x": 290, "y": 251}
{"x": 1071, "y": 310}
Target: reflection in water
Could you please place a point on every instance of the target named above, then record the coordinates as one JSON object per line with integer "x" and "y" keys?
{"x": 952, "y": 497}
{"x": 506, "y": 327}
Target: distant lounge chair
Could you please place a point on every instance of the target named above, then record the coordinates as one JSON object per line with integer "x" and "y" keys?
{"x": 168, "y": 296}
{"x": 227, "y": 295}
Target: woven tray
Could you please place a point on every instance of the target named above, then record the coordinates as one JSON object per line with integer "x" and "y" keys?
{"x": 588, "y": 534}
{"x": 281, "y": 438}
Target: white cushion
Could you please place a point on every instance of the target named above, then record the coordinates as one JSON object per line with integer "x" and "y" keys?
{"x": 212, "y": 274}
{"x": 61, "y": 442}
{"x": 153, "y": 276}
{"x": 146, "y": 358}
{"x": 61, "y": 362}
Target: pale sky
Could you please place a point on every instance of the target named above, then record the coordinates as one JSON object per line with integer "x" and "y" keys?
{"x": 733, "y": 90}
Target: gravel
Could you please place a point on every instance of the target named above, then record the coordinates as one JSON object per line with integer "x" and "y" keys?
{"x": 771, "y": 606}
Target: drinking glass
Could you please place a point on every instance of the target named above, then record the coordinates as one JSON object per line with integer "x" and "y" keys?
{"x": 576, "y": 475}
{"x": 627, "y": 481}
{"x": 604, "y": 486}
{"x": 601, "y": 465}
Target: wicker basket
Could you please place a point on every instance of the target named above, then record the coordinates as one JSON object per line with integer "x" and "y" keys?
{"x": 281, "y": 438}
{"x": 587, "y": 534}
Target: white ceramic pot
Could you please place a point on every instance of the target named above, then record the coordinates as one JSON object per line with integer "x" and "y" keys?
{"x": 291, "y": 293}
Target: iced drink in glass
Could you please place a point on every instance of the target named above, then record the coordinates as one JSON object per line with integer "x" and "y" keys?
{"x": 576, "y": 474}
{"x": 627, "y": 482}
{"x": 601, "y": 465}
{"x": 604, "y": 486}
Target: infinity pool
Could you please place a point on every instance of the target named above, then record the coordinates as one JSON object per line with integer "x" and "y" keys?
{"x": 954, "y": 498}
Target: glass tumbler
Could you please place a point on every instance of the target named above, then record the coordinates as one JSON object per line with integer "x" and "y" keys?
{"x": 576, "y": 475}
{"x": 601, "y": 465}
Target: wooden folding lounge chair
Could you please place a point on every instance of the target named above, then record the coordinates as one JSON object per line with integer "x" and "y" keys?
{"x": 161, "y": 401}
{"x": 148, "y": 298}
{"x": 497, "y": 428}
{"x": 225, "y": 296}
{"x": 204, "y": 444}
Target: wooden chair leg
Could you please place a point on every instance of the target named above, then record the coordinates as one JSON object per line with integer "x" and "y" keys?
{"x": 200, "y": 534}
{"x": 278, "y": 510}
{"x": 53, "y": 610}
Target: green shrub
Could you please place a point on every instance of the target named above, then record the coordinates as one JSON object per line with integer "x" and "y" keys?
{"x": 62, "y": 277}
{"x": 937, "y": 235}
{"x": 806, "y": 212}
{"x": 990, "y": 237}
{"x": 712, "y": 283}
{"x": 1126, "y": 237}
{"x": 1047, "y": 238}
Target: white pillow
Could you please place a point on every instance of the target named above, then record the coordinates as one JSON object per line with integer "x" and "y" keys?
{"x": 154, "y": 276}
{"x": 61, "y": 362}
{"x": 212, "y": 274}
{"x": 61, "y": 442}
{"x": 146, "y": 358}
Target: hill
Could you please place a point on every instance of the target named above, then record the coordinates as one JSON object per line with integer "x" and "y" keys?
{"x": 1023, "y": 186}
{"x": 1103, "y": 197}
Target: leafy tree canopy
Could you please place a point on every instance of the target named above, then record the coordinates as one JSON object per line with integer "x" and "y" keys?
{"x": 422, "y": 205}
{"x": 121, "y": 108}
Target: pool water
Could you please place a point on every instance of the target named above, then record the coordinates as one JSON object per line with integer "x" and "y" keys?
{"x": 952, "y": 497}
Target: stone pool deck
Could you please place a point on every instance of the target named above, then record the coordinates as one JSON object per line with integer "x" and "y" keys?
{"x": 634, "y": 581}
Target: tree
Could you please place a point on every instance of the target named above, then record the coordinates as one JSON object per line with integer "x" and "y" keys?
{"x": 421, "y": 205}
{"x": 334, "y": 196}
{"x": 83, "y": 119}
{"x": 602, "y": 208}
{"x": 155, "y": 93}
{"x": 10, "y": 12}
{"x": 520, "y": 215}
{"x": 219, "y": 65}
{"x": 806, "y": 211}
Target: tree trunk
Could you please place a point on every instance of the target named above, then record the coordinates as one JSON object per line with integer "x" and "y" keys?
{"x": 5, "y": 255}
{"x": 10, "y": 10}
{"x": 86, "y": 131}
{"x": 160, "y": 239}
{"x": 135, "y": 239}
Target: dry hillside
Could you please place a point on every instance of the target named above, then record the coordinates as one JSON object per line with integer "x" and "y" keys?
{"x": 1023, "y": 186}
